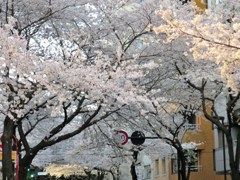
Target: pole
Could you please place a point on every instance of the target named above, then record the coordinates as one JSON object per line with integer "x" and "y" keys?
{"x": 178, "y": 164}
{"x": 17, "y": 158}
{"x": 224, "y": 154}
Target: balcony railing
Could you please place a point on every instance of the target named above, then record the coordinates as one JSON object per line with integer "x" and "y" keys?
{"x": 195, "y": 168}
{"x": 192, "y": 127}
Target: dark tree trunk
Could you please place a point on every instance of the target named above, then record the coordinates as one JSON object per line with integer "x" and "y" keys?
{"x": 7, "y": 165}
{"x": 235, "y": 175}
{"x": 183, "y": 167}
{"x": 133, "y": 171}
{"x": 113, "y": 176}
{"x": 233, "y": 164}
{"x": 24, "y": 164}
{"x": 88, "y": 173}
{"x": 22, "y": 172}
{"x": 188, "y": 172}
{"x": 182, "y": 161}
{"x": 133, "y": 167}
{"x": 100, "y": 175}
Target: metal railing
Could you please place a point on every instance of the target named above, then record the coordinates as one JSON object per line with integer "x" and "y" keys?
{"x": 195, "y": 168}
{"x": 192, "y": 127}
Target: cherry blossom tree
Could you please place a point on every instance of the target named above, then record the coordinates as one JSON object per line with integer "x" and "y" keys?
{"x": 43, "y": 87}
{"x": 68, "y": 66}
{"x": 27, "y": 95}
{"x": 212, "y": 36}
{"x": 169, "y": 123}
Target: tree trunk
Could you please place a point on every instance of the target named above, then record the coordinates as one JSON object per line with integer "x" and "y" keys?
{"x": 235, "y": 174}
{"x": 113, "y": 176}
{"x": 133, "y": 167}
{"x": 100, "y": 175}
{"x": 133, "y": 171}
{"x": 7, "y": 165}
{"x": 188, "y": 172}
{"x": 24, "y": 164}
{"x": 22, "y": 172}
{"x": 183, "y": 166}
{"x": 233, "y": 166}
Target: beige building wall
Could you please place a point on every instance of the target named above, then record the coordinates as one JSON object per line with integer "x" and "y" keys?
{"x": 201, "y": 3}
{"x": 161, "y": 168}
{"x": 205, "y": 137}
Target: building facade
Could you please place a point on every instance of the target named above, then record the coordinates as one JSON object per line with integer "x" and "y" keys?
{"x": 202, "y": 3}
{"x": 202, "y": 133}
{"x": 212, "y": 3}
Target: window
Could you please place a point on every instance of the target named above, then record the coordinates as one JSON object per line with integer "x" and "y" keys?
{"x": 196, "y": 167}
{"x": 147, "y": 172}
{"x": 174, "y": 164}
{"x": 156, "y": 167}
{"x": 192, "y": 122}
{"x": 188, "y": 115}
{"x": 192, "y": 119}
{"x": 164, "y": 166}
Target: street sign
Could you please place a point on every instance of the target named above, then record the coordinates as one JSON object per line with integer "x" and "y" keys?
{"x": 120, "y": 137}
{"x": 138, "y": 138}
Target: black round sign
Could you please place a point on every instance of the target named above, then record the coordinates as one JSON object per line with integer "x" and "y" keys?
{"x": 138, "y": 138}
